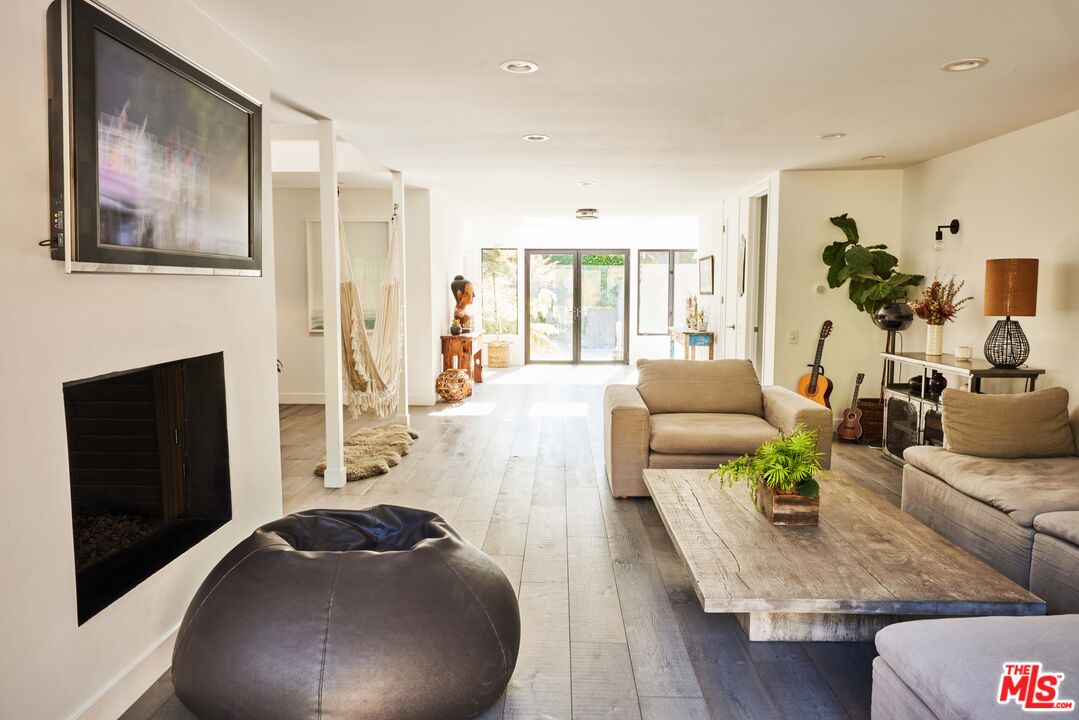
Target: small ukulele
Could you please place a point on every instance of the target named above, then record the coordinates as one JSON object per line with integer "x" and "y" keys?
{"x": 850, "y": 429}
{"x": 814, "y": 385}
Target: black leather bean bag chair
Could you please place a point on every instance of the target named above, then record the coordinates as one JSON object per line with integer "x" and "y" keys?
{"x": 385, "y": 613}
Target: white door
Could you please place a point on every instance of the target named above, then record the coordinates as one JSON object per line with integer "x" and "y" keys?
{"x": 734, "y": 300}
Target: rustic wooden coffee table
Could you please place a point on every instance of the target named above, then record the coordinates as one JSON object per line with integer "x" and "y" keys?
{"x": 868, "y": 564}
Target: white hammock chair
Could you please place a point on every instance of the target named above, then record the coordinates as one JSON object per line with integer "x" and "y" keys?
{"x": 372, "y": 374}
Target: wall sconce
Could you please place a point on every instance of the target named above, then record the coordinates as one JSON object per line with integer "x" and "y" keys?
{"x": 953, "y": 226}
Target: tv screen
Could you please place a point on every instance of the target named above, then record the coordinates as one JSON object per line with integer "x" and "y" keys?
{"x": 166, "y": 159}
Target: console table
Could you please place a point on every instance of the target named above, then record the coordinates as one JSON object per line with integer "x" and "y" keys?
{"x": 914, "y": 417}
{"x": 464, "y": 352}
{"x": 691, "y": 340}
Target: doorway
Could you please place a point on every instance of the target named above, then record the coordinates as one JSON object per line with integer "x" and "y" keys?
{"x": 757, "y": 267}
{"x": 576, "y": 306}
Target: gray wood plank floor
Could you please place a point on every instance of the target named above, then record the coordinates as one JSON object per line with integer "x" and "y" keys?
{"x": 611, "y": 626}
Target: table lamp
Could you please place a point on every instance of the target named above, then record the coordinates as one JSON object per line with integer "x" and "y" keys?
{"x": 1011, "y": 289}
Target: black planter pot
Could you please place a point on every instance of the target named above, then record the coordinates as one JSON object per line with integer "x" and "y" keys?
{"x": 894, "y": 317}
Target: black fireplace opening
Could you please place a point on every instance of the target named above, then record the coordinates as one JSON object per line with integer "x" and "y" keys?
{"x": 148, "y": 453}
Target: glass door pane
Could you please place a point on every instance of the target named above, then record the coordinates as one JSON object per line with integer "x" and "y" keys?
{"x": 686, "y": 283}
{"x": 603, "y": 306}
{"x": 653, "y": 288}
{"x": 551, "y": 290}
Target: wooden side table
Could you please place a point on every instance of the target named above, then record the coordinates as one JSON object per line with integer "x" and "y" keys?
{"x": 691, "y": 340}
{"x": 464, "y": 352}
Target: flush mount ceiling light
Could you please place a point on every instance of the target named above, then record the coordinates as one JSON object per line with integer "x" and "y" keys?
{"x": 831, "y": 135}
{"x": 536, "y": 137}
{"x": 588, "y": 214}
{"x": 964, "y": 64}
{"x": 519, "y": 67}
{"x": 586, "y": 183}
{"x": 872, "y": 157}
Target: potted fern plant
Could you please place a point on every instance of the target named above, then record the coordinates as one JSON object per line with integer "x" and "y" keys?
{"x": 782, "y": 476}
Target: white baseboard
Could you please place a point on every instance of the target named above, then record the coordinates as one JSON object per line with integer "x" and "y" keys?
{"x": 127, "y": 687}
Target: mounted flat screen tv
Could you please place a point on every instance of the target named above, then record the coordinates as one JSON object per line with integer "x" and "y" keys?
{"x": 155, "y": 163}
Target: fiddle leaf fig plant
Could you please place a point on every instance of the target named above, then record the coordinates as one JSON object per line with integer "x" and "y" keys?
{"x": 869, "y": 269}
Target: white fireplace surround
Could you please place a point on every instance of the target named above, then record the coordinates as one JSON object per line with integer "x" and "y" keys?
{"x": 58, "y": 327}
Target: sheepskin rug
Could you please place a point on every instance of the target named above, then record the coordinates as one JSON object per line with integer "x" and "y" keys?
{"x": 373, "y": 451}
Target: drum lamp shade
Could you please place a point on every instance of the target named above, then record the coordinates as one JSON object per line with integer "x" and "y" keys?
{"x": 1011, "y": 287}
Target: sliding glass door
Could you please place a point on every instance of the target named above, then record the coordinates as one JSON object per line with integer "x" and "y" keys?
{"x": 577, "y": 306}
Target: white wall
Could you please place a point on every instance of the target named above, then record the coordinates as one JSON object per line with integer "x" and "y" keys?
{"x": 448, "y": 251}
{"x": 301, "y": 351}
{"x": 679, "y": 233}
{"x": 1015, "y": 196}
{"x": 806, "y": 200}
{"x": 61, "y": 327}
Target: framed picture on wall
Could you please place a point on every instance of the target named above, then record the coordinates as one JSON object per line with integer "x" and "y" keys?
{"x": 706, "y": 266}
{"x": 368, "y": 243}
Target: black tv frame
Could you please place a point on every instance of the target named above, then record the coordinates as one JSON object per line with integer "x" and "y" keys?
{"x": 73, "y": 158}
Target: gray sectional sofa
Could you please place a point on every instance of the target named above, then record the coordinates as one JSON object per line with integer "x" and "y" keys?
{"x": 1020, "y": 516}
{"x": 1017, "y": 514}
{"x": 933, "y": 669}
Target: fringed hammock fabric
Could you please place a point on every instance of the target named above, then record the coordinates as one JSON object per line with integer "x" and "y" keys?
{"x": 372, "y": 373}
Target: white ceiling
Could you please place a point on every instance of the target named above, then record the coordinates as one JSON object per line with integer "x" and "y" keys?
{"x": 667, "y": 105}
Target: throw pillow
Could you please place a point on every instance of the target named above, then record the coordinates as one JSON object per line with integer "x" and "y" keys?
{"x": 1008, "y": 426}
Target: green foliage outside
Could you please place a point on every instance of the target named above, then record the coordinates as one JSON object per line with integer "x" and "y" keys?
{"x": 870, "y": 270}
{"x": 788, "y": 464}
{"x": 603, "y": 260}
{"x": 499, "y": 271}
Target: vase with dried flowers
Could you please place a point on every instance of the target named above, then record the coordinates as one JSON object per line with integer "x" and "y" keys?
{"x": 939, "y": 303}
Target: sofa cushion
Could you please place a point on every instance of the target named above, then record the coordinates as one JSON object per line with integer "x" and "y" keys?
{"x": 682, "y": 461}
{"x": 708, "y": 433}
{"x": 1023, "y": 487}
{"x": 689, "y": 386}
{"x": 1054, "y": 574}
{"x": 955, "y": 665}
{"x": 1061, "y": 525}
{"x": 979, "y": 528}
{"x": 1026, "y": 425}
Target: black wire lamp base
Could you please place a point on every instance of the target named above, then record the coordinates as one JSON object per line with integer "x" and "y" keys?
{"x": 1007, "y": 346}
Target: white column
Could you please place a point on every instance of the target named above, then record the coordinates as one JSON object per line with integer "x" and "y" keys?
{"x": 399, "y": 204}
{"x": 331, "y": 306}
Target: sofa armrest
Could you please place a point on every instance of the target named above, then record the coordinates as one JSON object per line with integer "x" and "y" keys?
{"x": 786, "y": 410}
{"x": 626, "y": 433}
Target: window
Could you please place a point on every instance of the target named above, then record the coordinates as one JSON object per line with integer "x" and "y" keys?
{"x": 368, "y": 243}
{"x": 665, "y": 280}
{"x": 499, "y": 270}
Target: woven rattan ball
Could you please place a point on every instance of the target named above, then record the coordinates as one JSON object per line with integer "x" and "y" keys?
{"x": 453, "y": 385}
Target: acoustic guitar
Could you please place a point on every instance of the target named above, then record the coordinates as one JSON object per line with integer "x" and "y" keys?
{"x": 850, "y": 429}
{"x": 814, "y": 385}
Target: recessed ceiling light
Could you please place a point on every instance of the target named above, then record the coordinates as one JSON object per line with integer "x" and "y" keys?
{"x": 519, "y": 67}
{"x": 964, "y": 64}
{"x": 586, "y": 183}
{"x": 536, "y": 137}
{"x": 832, "y": 135}
{"x": 872, "y": 157}
{"x": 588, "y": 214}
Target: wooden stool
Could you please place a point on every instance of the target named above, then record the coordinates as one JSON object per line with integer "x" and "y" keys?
{"x": 464, "y": 352}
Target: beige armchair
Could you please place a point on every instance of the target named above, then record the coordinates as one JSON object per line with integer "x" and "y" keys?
{"x": 686, "y": 414}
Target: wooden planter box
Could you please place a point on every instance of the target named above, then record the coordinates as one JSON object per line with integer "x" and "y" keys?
{"x": 787, "y": 509}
